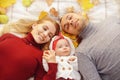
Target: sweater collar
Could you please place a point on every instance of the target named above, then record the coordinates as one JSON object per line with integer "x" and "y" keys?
{"x": 30, "y": 40}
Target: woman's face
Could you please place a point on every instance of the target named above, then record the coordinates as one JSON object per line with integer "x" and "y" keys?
{"x": 43, "y": 32}
{"x": 72, "y": 23}
{"x": 62, "y": 48}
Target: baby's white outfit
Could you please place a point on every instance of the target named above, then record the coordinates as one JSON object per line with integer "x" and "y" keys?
{"x": 66, "y": 68}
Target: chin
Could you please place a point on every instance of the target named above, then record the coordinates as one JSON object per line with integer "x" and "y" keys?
{"x": 38, "y": 42}
{"x": 67, "y": 54}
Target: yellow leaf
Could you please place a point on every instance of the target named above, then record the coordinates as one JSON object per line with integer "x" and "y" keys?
{"x": 6, "y": 3}
{"x": 3, "y": 19}
{"x": 27, "y": 3}
{"x": 85, "y": 4}
{"x": 43, "y": 14}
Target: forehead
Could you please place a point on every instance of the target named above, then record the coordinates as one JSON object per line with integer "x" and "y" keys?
{"x": 64, "y": 16}
{"x": 50, "y": 26}
{"x": 62, "y": 41}
{"x": 69, "y": 14}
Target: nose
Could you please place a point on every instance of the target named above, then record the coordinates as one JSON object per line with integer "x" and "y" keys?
{"x": 70, "y": 22}
{"x": 45, "y": 34}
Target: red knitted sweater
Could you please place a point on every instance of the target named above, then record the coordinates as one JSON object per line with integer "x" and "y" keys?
{"x": 21, "y": 58}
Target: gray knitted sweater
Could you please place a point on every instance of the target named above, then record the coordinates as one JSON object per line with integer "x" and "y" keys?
{"x": 99, "y": 52}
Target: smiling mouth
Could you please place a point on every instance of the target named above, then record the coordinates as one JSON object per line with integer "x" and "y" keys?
{"x": 41, "y": 38}
{"x": 65, "y": 51}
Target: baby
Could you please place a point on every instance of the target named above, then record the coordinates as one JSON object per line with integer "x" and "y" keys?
{"x": 67, "y": 62}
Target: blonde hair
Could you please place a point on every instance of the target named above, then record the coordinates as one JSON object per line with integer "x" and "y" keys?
{"x": 23, "y": 26}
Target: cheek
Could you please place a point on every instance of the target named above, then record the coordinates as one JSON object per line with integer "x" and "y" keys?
{"x": 58, "y": 51}
{"x": 48, "y": 38}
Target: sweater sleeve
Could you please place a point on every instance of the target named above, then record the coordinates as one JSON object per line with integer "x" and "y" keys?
{"x": 51, "y": 74}
{"x": 74, "y": 63}
{"x": 87, "y": 68}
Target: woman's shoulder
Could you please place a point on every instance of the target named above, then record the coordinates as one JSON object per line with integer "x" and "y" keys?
{"x": 8, "y": 35}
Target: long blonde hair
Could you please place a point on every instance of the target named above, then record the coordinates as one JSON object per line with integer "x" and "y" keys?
{"x": 20, "y": 27}
{"x": 24, "y": 26}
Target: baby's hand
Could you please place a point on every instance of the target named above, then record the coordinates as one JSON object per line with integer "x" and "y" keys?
{"x": 49, "y": 56}
{"x": 72, "y": 58}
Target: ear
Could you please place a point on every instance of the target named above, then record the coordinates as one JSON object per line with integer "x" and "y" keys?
{"x": 34, "y": 25}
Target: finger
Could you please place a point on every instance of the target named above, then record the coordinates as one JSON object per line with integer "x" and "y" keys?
{"x": 52, "y": 52}
{"x": 46, "y": 52}
{"x": 46, "y": 55}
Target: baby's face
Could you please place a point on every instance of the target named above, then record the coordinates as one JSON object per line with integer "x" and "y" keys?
{"x": 62, "y": 48}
